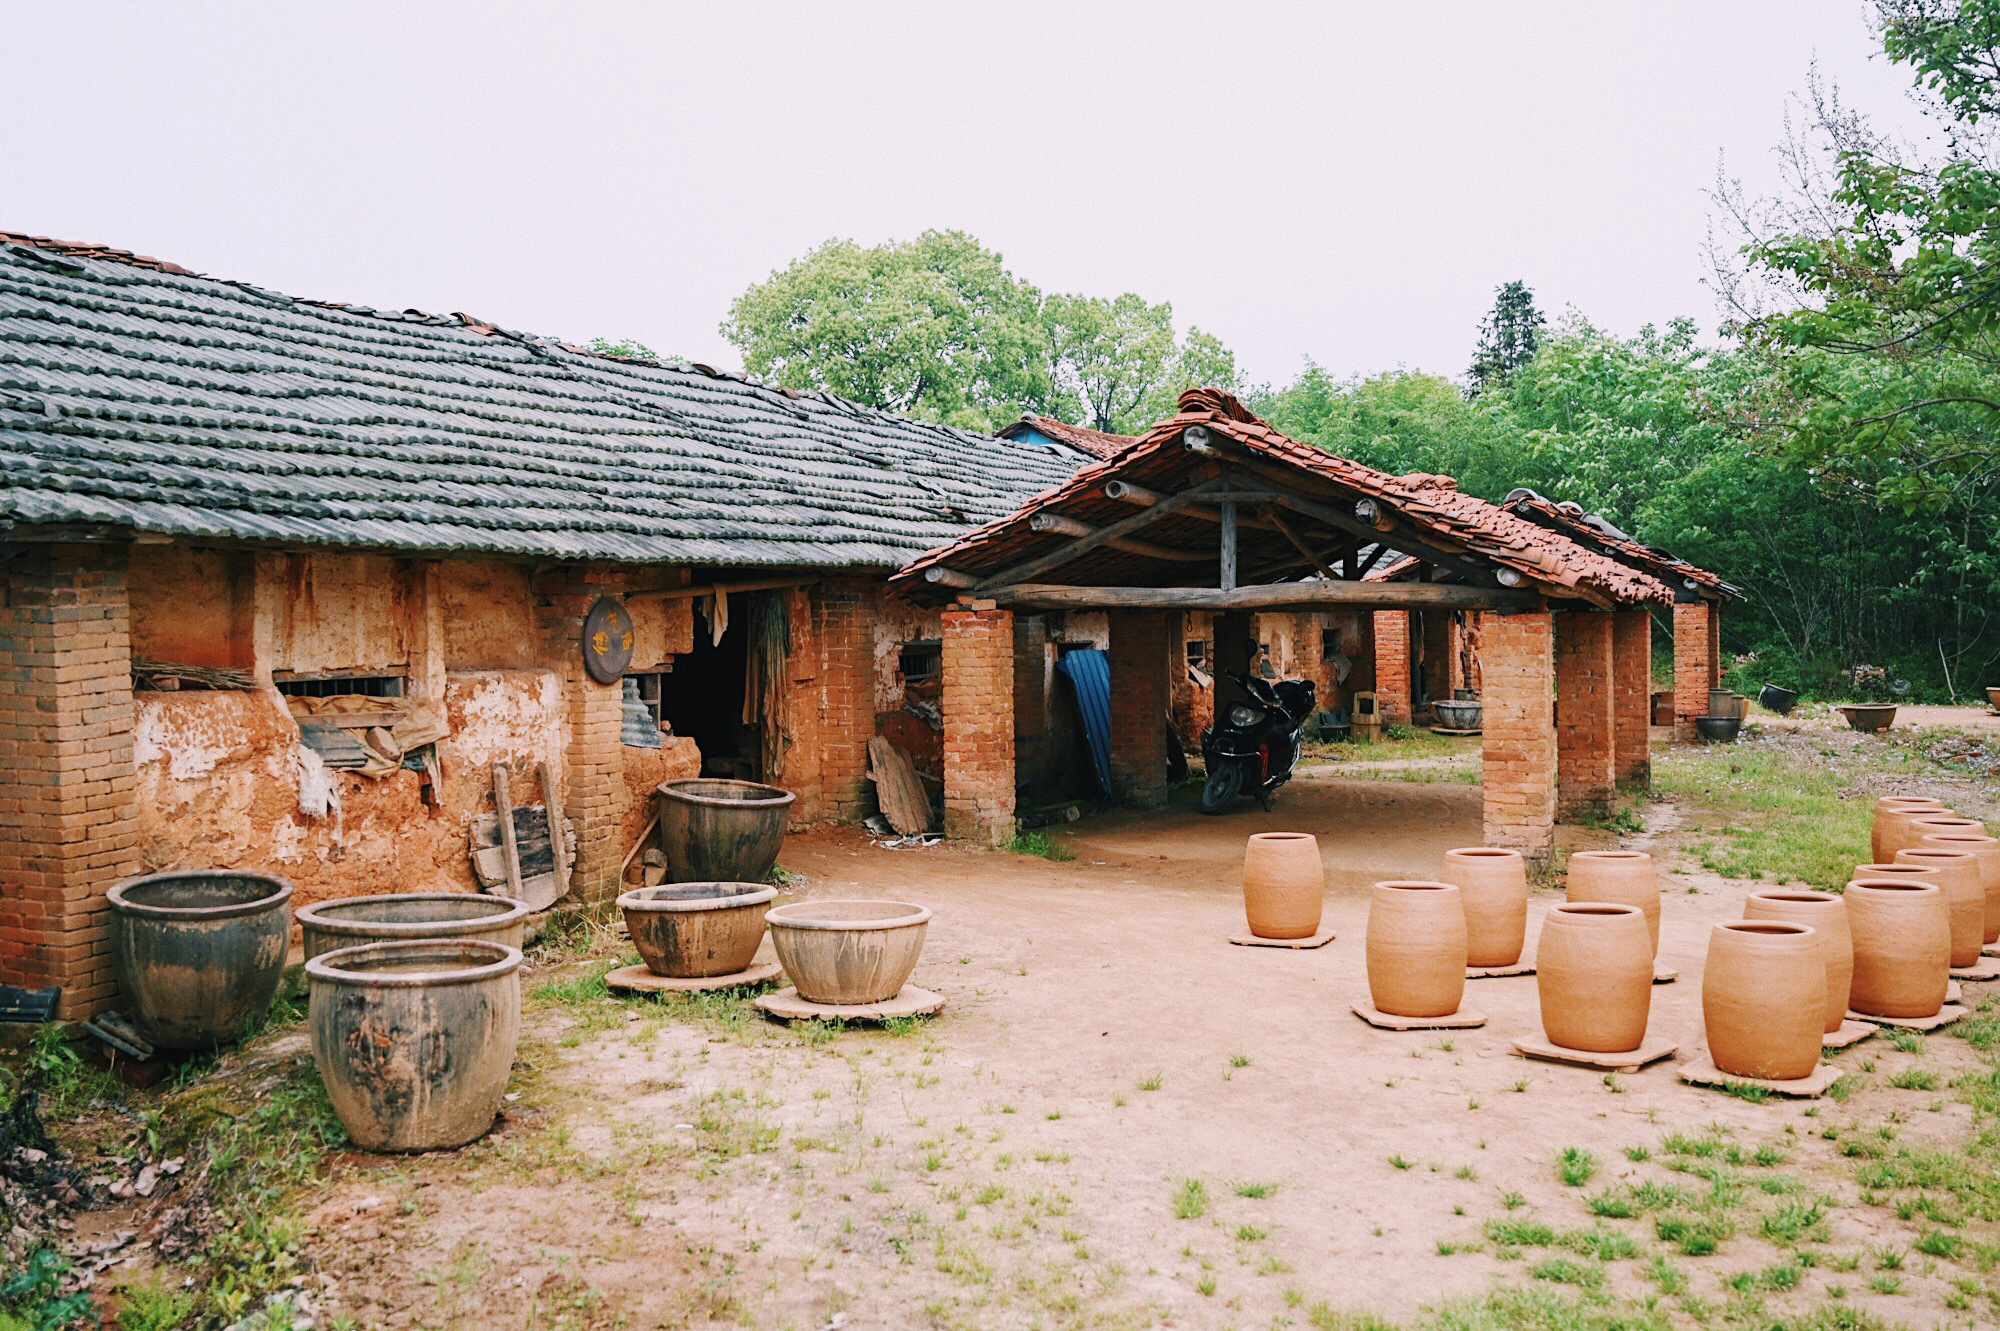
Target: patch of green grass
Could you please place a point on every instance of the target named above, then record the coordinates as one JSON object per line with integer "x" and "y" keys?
{"x": 1398, "y": 1162}
{"x": 1522, "y": 1233}
{"x": 1190, "y": 1199}
{"x": 1914, "y": 1079}
{"x": 1040, "y": 844}
{"x": 1575, "y": 1166}
{"x": 1258, "y": 1191}
{"x": 1154, "y": 1082}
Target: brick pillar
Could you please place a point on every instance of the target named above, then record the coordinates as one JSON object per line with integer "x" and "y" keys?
{"x": 69, "y": 818}
{"x": 1031, "y": 703}
{"x": 1632, "y": 695}
{"x": 1694, "y": 664}
{"x": 843, "y": 620}
{"x": 978, "y": 705}
{"x": 1714, "y": 643}
{"x": 1518, "y": 749}
{"x": 1140, "y": 697}
{"x": 594, "y": 795}
{"x": 1586, "y": 776}
{"x": 1392, "y": 666}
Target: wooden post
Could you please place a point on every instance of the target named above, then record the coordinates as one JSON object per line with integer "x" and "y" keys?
{"x": 1229, "y": 547}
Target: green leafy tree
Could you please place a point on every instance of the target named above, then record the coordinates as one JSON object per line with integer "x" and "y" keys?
{"x": 1117, "y": 365}
{"x": 934, "y": 328}
{"x": 1507, "y": 339}
{"x": 625, "y": 349}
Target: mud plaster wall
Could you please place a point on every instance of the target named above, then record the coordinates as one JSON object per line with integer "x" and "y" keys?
{"x": 339, "y": 612}
{"x": 192, "y": 607}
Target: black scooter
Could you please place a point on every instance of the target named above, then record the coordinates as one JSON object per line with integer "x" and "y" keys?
{"x": 1256, "y": 748}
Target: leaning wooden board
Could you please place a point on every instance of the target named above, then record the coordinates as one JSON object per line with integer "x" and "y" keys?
{"x": 541, "y": 887}
{"x": 898, "y": 788}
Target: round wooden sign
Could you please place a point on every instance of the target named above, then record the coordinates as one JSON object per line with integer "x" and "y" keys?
{"x": 607, "y": 641}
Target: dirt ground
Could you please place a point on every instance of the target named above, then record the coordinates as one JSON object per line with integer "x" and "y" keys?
{"x": 1025, "y": 1158}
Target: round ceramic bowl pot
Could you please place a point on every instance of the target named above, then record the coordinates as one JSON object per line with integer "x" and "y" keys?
{"x": 1458, "y": 715}
{"x": 1890, "y": 811}
{"x": 1986, "y": 850}
{"x": 1774, "y": 699}
{"x": 717, "y": 831}
{"x": 1493, "y": 885}
{"x": 1964, "y": 896}
{"x": 1718, "y": 729}
{"x": 1284, "y": 884}
{"x": 199, "y": 953}
{"x": 1416, "y": 948}
{"x": 692, "y": 930}
{"x": 415, "y": 1040}
{"x": 1826, "y": 915}
{"x": 848, "y": 952}
{"x": 1594, "y": 976}
{"x": 1902, "y": 946}
{"x": 1869, "y": 718}
{"x": 1624, "y": 877}
{"x": 1993, "y": 699}
{"x": 1763, "y": 998}
{"x": 411, "y": 917}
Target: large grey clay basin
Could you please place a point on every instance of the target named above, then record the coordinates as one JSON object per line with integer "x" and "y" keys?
{"x": 199, "y": 952}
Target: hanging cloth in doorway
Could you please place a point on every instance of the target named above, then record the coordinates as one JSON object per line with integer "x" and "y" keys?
{"x": 716, "y": 608}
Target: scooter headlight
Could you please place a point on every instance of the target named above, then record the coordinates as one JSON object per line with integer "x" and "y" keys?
{"x": 1245, "y": 715}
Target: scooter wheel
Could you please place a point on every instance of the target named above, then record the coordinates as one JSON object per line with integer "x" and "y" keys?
{"x": 1224, "y": 784}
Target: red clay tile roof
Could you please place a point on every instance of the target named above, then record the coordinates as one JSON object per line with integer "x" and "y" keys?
{"x": 1432, "y": 506}
{"x": 1097, "y": 443}
{"x": 1597, "y": 534}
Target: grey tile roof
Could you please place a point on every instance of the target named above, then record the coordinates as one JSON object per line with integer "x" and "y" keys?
{"x": 138, "y": 395}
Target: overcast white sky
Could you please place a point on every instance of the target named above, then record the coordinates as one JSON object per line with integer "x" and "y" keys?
{"x": 1342, "y": 181}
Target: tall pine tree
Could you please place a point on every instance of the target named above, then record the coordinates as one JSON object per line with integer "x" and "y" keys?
{"x": 1507, "y": 339}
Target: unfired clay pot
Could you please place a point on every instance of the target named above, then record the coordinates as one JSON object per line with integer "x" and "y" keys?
{"x": 1763, "y": 998}
{"x": 1493, "y": 884}
{"x": 1416, "y": 948}
{"x": 1284, "y": 884}
{"x": 1622, "y": 876}
{"x": 1890, "y": 812}
{"x": 1826, "y": 915}
{"x": 1964, "y": 896}
{"x": 1902, "y": 946}
{"x": 1594, "y": 974}
{"x": 848, "y": 952}
{"x": 1937, "y": 823}
{"x": 1986, "y": 850}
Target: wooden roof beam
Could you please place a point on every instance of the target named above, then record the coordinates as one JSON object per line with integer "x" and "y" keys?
{"x": 1268, "y": 596}
{"x": 1056, "y": 522}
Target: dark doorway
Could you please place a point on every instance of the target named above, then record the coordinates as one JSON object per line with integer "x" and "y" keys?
{"x": 703, "y": 699}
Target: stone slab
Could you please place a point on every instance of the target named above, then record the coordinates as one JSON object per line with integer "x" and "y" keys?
{"x": 1664, "y": 974}
{"x": 1440, "y": 730}
{"x": 1703, "y": 1072}
{"x": 1850, "y": 1034}
{"x": 1952, "y": 993}
{"x": 1986, "y": 968}
{"x": 1631, "y": 1060}
{"x": 1320, "y": 939}
{"x": 910, "y": 1001}
{"x": 1454, "y": 1021}
{"x": 1499, "y": 972}
{"x": 639, "y": 980}
{"x": 1944, "y": 1016}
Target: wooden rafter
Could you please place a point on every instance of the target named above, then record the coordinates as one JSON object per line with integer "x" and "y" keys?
{"x": 1268, "y": 596}
{"x": 1103, "y": 536}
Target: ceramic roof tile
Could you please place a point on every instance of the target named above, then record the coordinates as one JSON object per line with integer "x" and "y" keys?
{"x": 135, "y": 393}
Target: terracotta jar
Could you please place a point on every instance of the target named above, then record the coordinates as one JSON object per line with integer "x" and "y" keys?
{"x": 1938, "y": 822}
{"x": 1763, "y": 998}
{"x": 1493, "y": 884}
{"x": 1594, "y": 975}
{"x": 1902, "y": 946}
{"x": 1826, "y": 914}
{"x": 1964, "y": 896}
{"x": 1888, "y": 811}
{"x": 1284, "y": 884}
{"x": 1625, "y": 877}
{"x": 1986, "y": 850}
{"x": 1416, "y": 948}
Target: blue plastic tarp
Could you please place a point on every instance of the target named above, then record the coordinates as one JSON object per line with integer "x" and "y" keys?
{"x": 1089, "y": 676}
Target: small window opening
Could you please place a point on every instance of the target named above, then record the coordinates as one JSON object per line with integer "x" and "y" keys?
{"x": 1329, "y": 644}
{"x": 1197, "y": 651}
{"x": 920, "y": 661}
{"x": 334, "y": 686}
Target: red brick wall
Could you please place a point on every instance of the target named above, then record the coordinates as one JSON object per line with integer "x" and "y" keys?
{"x": 843, "y": 623}
{"x": 68, "y": 810}
{"x": 1392, "y": 666}
{"x": 595, "y": 797}
{"x": 979, "y": 723}
{"x": 1140, "y": 641}
{"x": 1632, "y": 695}
{"x": 1585, "y": 776}
{"x": 1517, "y": 666}
{"x": 1694, "y": 664}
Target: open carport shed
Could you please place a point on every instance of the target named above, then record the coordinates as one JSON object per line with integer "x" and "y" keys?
{"x": 1215, "y": 511}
